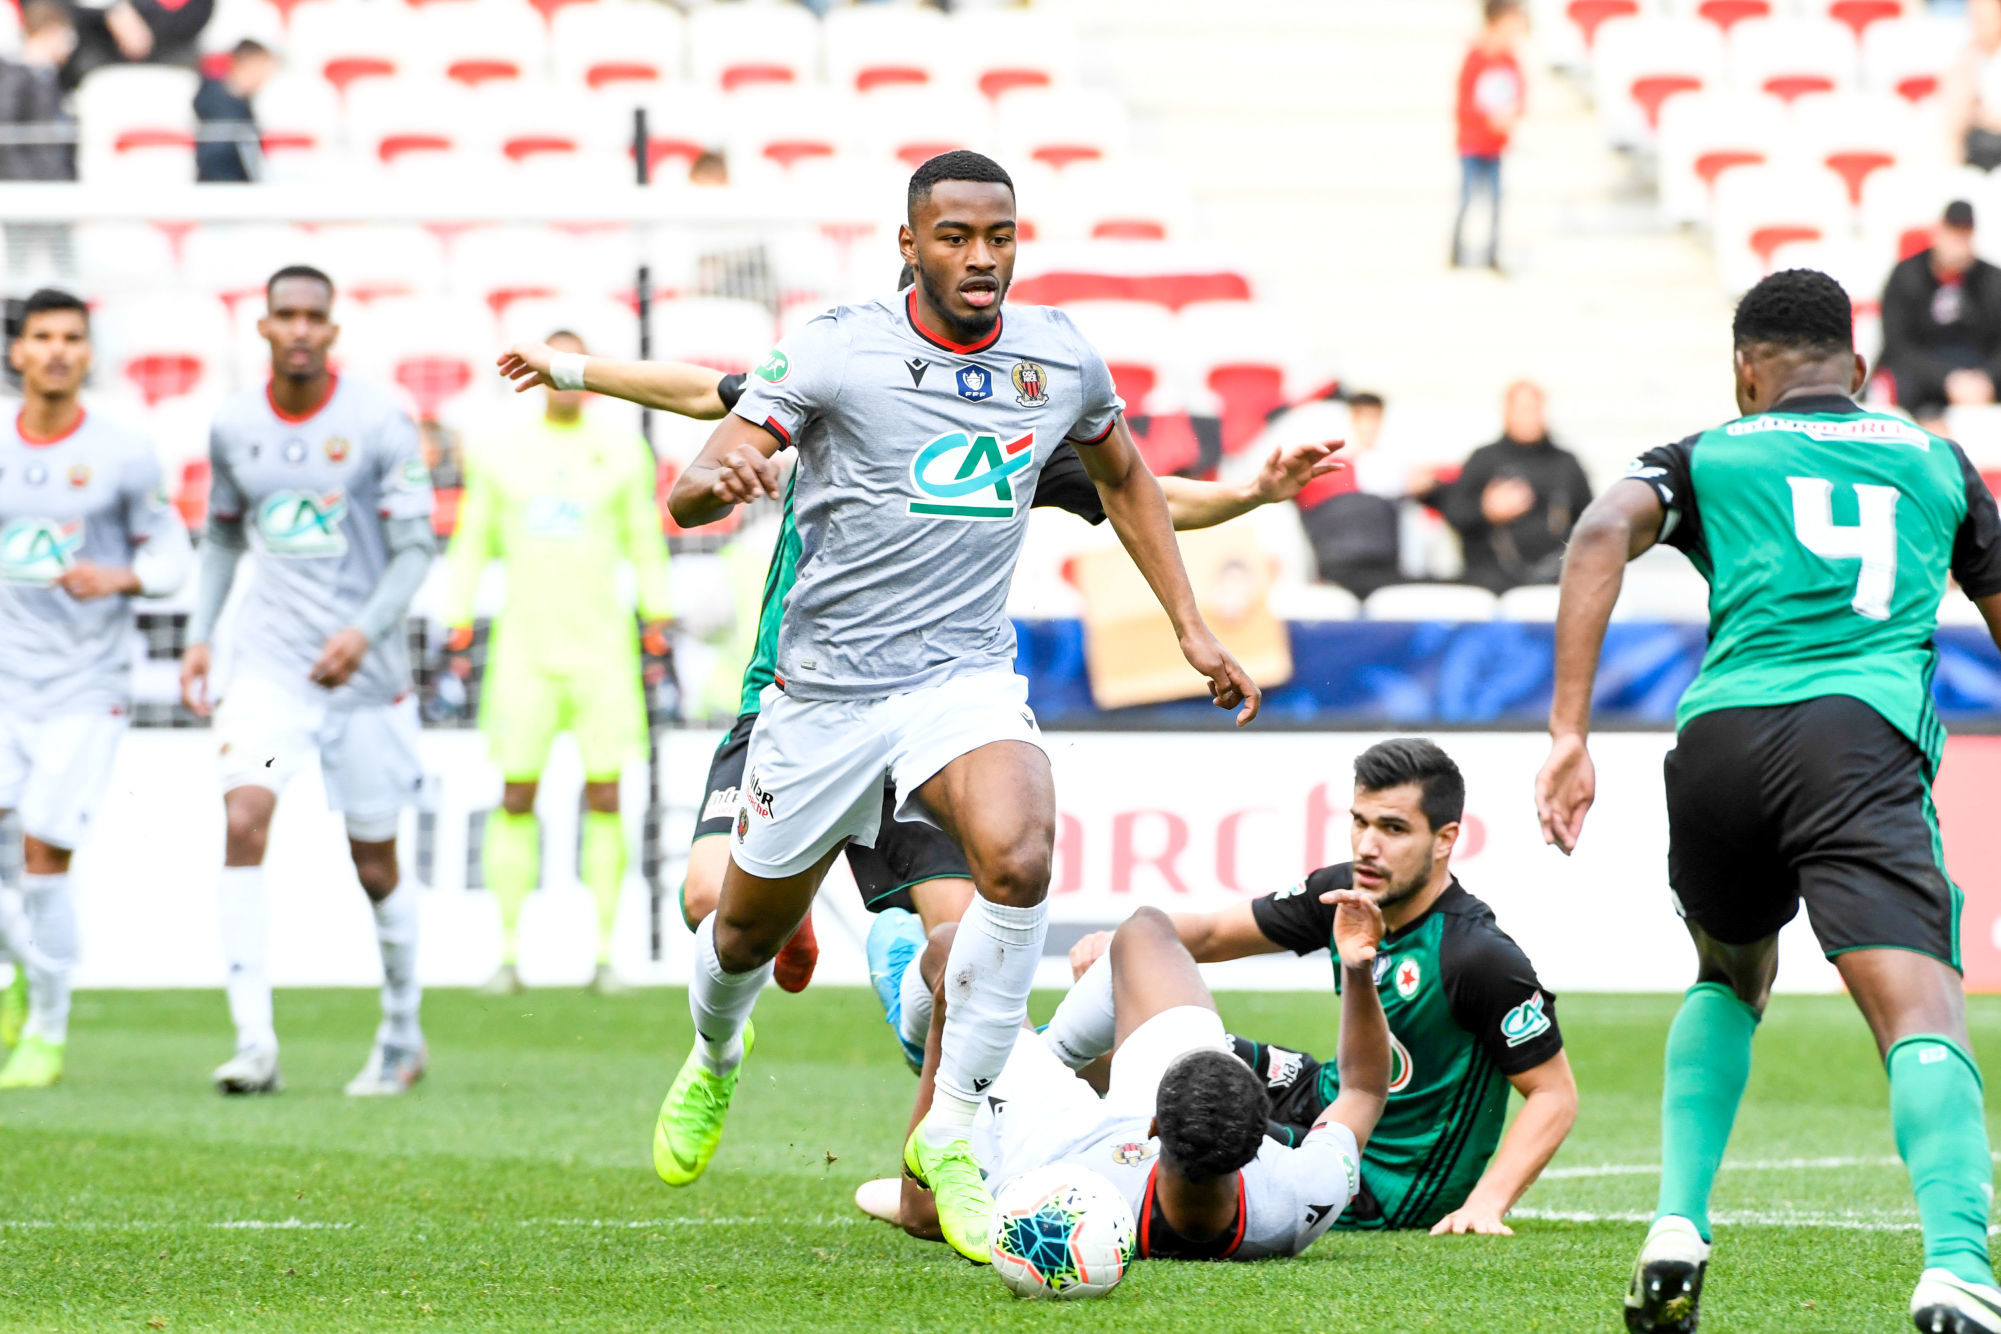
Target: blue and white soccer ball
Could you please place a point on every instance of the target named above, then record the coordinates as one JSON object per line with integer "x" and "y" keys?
{"x": 1061, "y": 1231}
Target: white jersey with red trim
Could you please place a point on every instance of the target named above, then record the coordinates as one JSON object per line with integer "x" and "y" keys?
{"x": 92, "y": 494}
{"x": 918, "y": 460}
{"x": 313, "y": 494}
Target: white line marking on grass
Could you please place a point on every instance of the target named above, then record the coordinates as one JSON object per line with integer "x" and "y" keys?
{"x": 1853, "y": 1222}
{"x": 282, "y": 1224}
{"x": 103, "y": 1225}
{"x": 823, "y": 1221}
{"x": 1755, "y": 1165}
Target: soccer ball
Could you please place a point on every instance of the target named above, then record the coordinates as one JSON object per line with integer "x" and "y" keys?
{"x": 1061, "y": 1231}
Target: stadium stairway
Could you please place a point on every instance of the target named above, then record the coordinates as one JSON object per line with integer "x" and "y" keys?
{"x": 1345, "y": 215}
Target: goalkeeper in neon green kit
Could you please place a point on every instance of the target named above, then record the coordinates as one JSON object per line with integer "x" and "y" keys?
{"x": 561, "y": 502}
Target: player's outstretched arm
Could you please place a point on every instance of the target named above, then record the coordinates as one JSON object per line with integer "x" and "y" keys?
{"x": 1134, "y": 504}
{"x": 1211, "y": 937}
{"x": 1616, "y": 527}
{"x": 734, "y": 468}
{"x": 671, "y": 386}
{"x": 1196, "y": 504}
{"x": 1363, "y": 1057}
{"x": 1549, "y": 1109}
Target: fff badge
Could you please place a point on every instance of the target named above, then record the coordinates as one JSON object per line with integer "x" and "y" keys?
{"x": 975, "y": 384}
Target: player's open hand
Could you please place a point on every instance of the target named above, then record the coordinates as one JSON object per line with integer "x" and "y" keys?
{"x": 194, "y": 679}
{"x": 1472, "y": 1219}
{"x": 1229, "y": 684}
{"x": 87, "y": 582}
{"x": 340, "y": 658}
{"x": 1564, "y": 791}
{"x": 745, "y": 475}
{"x": 527, "y": 364}
{"x": 1288, "y": 470}
{"x": 1087, "y": 951}
{"x": 1358, "y": 926}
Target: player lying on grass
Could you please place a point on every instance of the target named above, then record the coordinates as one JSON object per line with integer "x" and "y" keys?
{"x": 1180, "y": 1131}
{"x": 1467, "y": 1014}
{"x": 1803, "y": 765}
{"x": 84, "y": 528}
{"x": 563, "y": 501}
{"x": 915, "y": 876}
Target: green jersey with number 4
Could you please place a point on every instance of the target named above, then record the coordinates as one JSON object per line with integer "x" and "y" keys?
{"x": 1826, "y": 534}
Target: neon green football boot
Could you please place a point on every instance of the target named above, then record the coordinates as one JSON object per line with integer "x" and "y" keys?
{"x": 36, "y": 1064}
{"x": 691, "y": 1117}
{"x": 14, "y": 1008}
{"x": 965, "y": 1208}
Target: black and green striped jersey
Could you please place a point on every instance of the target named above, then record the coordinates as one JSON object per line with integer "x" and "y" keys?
{"x": 1826, "y": 534}
{"x": 1063, "y": 484}
{"x": 1465, "y": 1012}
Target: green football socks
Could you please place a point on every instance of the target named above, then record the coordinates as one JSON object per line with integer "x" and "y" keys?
{"x": 512, "y": 856}
{"x": 1935, "y": 1109}
{"x": 602, "y": 869}
{"x": 1708, "y": 1064}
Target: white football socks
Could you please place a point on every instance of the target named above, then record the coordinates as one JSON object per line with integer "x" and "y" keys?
{"x": 402, "y": 994}
{"x": 914, "y": 1005}
{"x": 720, "y": 1003}
{"x": 50, "y": 955}
{"x": 987, "y": 978}
{"x": 1084, "y": 1027}
{"x": 246, "y": 949}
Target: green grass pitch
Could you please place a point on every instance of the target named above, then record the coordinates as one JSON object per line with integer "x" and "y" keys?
{"x": 514, "y": 1191}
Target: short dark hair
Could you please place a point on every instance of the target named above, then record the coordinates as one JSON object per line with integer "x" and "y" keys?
{"x": 1414, "y": 759}
{"x": 247, "y": 48}
{"x": 1500, "y": 9}
{"x": 1365, "y": 401}
{"x": 298, "y": 271}
{"x": 50, "y": 298}
{"x": 1211, "y": 1109}
{"x": 961, "y": 164}
{"x": 1798, "y": 308}
{"x": 906, "y": 277}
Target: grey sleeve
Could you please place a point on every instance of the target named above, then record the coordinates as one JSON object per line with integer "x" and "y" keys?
{"x": 220, "y": 552}
{"x": 411, "y": 547}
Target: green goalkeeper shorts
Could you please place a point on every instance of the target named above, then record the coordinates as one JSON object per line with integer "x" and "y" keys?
{"x": 521, "y": 710}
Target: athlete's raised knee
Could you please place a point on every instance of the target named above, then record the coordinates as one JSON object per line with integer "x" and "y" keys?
{"x": 247, "y": 824}
{"x": 1146, "y": 927}
{"x": 743, "y": 943}
{"x": 1017, "y": 876}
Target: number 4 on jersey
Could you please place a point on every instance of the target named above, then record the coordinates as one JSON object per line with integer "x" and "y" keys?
{"x": 1871, "y": 540}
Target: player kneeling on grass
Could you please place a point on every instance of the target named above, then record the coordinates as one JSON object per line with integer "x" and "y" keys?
{"x": 1180, "y": 1131}
{"x": 1467, "y": 1015}
{"x": 84, "y": 527}
{"x": 321, "y": 475}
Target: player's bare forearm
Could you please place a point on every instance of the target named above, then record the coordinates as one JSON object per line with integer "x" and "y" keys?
{"x": 1549, "y": 1110}
{"x": 1617, "y": 526}
{"x": 1195, "y": 504}
{"x": 671, "y": 386}
{"x": 1363, "y": 1056}
{"x": 1232, "y": 933}
{"x": 734, "y": 468}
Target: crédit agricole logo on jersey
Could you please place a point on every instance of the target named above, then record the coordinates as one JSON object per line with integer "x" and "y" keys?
{"x": 963, "y": 475}
{"x": 38, "y": 551}
{"x": 303, "y": 523}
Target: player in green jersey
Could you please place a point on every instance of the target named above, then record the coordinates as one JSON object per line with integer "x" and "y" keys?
{"x": 561, "y": 501}
{"x": 1803, "y": 767}
{"x": 1468, "y": 1017}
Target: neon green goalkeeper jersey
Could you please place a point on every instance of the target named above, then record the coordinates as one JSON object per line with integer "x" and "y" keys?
{"x": 562, "y": 507}
{"x": 1826, "y": 534}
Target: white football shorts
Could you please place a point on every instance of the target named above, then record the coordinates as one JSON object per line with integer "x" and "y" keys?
{"x": 268, "y": 733}
{"x": 55, "y": 771}
{"x": 814, "y": 773}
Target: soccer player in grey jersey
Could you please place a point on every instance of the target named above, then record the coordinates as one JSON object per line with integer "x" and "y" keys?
{"x": 84, "y": 528}
{"x": 922, "y": 424}
{"x": 321, "y": 477}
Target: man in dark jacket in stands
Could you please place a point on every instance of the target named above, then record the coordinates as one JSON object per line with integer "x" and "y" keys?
{"x": 1942, "y": 323}
{"x": 31, "y": 97}
{"x": 1514, "y": 503}
{"x": 112, "y": 32}
{"x": 229, "y": 149}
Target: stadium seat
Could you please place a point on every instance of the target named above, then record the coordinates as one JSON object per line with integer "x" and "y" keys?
{"x": 1790, "y": 58}
{"x": 1060, "y": 126}
{"x": 167, "y": 346}
{"x": 298, "y": 119}
{"x": 438, "y": 351}
{"x": 348, "y": 42}
{"x": 612, "y": 42}
{"x": 1706, "y": 134}
{"x": 741, "y": 45}
{"x": 1760, "y": 209}
{"x": 553, "y": 135}
{"x": 1726, "y": 14}
{"x": 1014, "y": 48}
{"x": 910, "y": 123}
{"x": 1140, "y": 345}
{"x": 1910, "y": 57}
{"x": 473, "y": 42}
{"x": 415, "y": 129}
{"x": 234, "y": 20}
{"x": 1641, "y": 63}
{"x": 1122, "y": 200}
{"x": 135, "y": 126}
{"x": 1531, "y": 602}
{"x": 721, "y": 332}
{"x": 682, "y": 123}
{"x": 1587, "y": 16}
{"x": 608, "y": 328}
{"x": 374, "y": 261}
{"x": 1296, "y": 601}
{"x": 1856, "y": 134}
{"x": 1859, "y": 16}
{"x": 869, "y": 47}
{"x": 1430, "y": 602}
{"x": 1243, "y": 353}
{"x": 122, "y": 256}
{"x": 773, "y": 128}
{"x": 231, "y": 261}
{"x": 1900, "y": 205}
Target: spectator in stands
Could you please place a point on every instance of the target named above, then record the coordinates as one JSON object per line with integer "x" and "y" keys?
{"x": 1515, "y": 501}
{"x": 710, "y": 168}
{"x": 31, "y": 96}
{"x": 1942, "y": 323}
{"x": 1352, "y": 516}
{"x": 1973, "y": 89}
{"x": 112, "y": 32}
{"x": 1491, "y": 95}
{"x": 229, "y": 148}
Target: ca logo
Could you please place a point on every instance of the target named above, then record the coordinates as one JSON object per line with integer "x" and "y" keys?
{"x": 301, "y": 523}
{"x": 38, "y": 551}
{"x": 966, "y": 476}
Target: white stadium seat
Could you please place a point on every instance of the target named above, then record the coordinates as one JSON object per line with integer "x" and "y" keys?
{"x": 871, "y": 47}
{"x": 1760, "y": 209}
{"x": 232, "y": 261}
{"x": 773, "y": 128}
{"x": 1293, "y": 601}
{"x": 907, "y": 124}
{"x": 440, "y": 352}
{"x": 614, "y": 42}
{"x": 372, "y": 261}
{"x": 299, "y": 121}
{"x": 1707, "y": 134}
{"x": 1246, "y": 355}
{"x": 1790, "y": 58}
{"x": 1639, "y": 64}
{"x": 1141, "y": 346}
{"x": 136, "y": 126}
{"x": 723, "y": 332}
{"x": 164, "y": 347}
{"x": 1910, "y": 57}
{"x": 608, "y": 328}
{"x": 1014, "y": 48}
{"x": 415, "y": 129}
{"x": 1060, "y": 126}
{"x": 352, "y": 42}
{"x": 1430, "y": 602}
{"x": 738, "y": 46}
{"x": 1530, "y": 602}
{"x": 475, "y": 42}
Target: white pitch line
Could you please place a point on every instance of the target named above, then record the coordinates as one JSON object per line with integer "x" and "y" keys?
{"x": 280, "y": 1225}
{"x": 841, "y": 1220}
{"x": 1755, "y": 1165}
{"x": 1746, "y": 1218}
{"x": 103, "y": 1225}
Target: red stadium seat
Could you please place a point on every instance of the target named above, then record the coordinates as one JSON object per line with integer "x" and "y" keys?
{"x": 605, "y": 44}
{"x": 1009, "y": 50}
{"x": 1589, "y": 15}
{"x": 872, "y": 47}
{"x": 1642, "y": 64}
{"x": 1760, "y": 209}
{"x": 1857, "y": 134}
{"x": 347, "y": 42}
{"x": 1726, "y": 13}
{"x": 1910, "y": 57}
{"x": 1706, "y": 135}
{"x": 1858, "y": 15}
{"x": 1789, "y": 59}
{"x": 1135, "y": 383}
{"x": 135, "y": 126}
{"x": 476, "y": 42}
{"x": 1242, "y": 352}
{"x": 1167, "y": 441}
{"x": 1913, "y": 241}
{"x": 732, "y": 47}
{"x": 166, "y": 347}
{"x": 1175, "y": 290}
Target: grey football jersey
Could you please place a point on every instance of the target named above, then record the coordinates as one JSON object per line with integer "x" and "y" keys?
{"x": 93, "y": 495}
{"x": 918, "y": 461}
{"x": 312, "y": 494}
